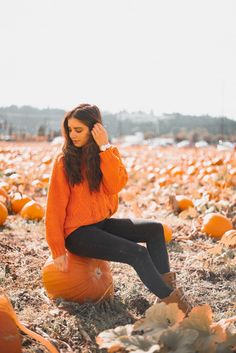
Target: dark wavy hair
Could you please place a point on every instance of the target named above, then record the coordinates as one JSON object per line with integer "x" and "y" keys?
{"x": 86, "y": 156}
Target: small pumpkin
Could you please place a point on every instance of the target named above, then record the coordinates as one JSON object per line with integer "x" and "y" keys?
{"x": 10, "y": 339}
{"x": 18, "y": 201}
{"x": 3, "y": 192}
{"x": 162, "y": 181}
{"x": 38, "y": 184}
{"x": 167, "y": 232}
{"x": 3, "y": 213}
{"x": 46, "y": 160}
{"x": 216, "y": 224}
{"x": 45, "y": 178}
{"x": 87, "y": 279}
{"x": 184, "y": 202}
{"x": 176, "y": 171}
{"x": 32, "y": 210}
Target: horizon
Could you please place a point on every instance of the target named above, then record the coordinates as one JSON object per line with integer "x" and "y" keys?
{"x": 133, "y": 55}
{"x": 124, "y": 110}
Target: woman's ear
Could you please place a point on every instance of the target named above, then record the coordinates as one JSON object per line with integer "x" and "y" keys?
{"x": 92, "y": 125}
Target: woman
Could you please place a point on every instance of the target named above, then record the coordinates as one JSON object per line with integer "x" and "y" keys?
{"x": 82, "y": 197}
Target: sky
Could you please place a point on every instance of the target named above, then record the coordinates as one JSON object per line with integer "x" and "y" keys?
{"x": 161, "y": 55}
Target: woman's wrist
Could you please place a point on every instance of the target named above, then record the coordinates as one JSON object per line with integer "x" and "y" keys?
{"x": 105, "y": 147}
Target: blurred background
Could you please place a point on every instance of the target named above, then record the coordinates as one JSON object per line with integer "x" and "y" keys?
{"x": 162, "y": 72}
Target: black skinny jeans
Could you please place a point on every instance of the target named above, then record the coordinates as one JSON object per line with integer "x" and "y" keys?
{"x": 115, "y": 239}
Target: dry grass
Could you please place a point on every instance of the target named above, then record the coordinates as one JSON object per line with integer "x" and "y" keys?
{"x": 23, "y": 251}
{"x": 205, "y": 278}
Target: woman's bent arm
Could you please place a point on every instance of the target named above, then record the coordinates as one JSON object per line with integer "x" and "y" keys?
{"x": 57, "y": 200}
{"x": 114, "y": 173}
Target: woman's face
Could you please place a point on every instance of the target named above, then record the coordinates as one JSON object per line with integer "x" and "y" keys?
{"x": 78, "y": 132}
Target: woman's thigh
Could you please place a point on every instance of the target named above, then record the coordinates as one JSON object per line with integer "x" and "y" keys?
{"x": 136, "y": 230}
{"x": 91, "y": 241}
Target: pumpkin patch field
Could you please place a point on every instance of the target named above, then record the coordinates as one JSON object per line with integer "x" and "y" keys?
{"x": 104, "y": 307}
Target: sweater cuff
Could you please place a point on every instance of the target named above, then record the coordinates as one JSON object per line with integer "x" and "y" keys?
{"x": 108, "y": 154}
{"x": 57, "y": 251}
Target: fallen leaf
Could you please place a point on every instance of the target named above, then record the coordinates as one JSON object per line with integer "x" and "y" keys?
{"x": 110, "y": 339}
{"x": 158, "y": 318}
{"x": 229, "y": 345}
{"x": 200, "y": 319}
{"x": 140, "y": 344}
{"x": 179, "y": 341}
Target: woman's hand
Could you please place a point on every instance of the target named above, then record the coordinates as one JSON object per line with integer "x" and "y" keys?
{"x": 61, "y": 263}
{"x": 99, "y": 134}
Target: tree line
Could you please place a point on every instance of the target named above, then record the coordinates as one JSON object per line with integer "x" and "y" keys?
{"x": 23, "y": 122}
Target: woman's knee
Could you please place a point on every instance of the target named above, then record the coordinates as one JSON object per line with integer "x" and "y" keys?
{"x": 156, "y": 231}
{"x": 138, "y": 255}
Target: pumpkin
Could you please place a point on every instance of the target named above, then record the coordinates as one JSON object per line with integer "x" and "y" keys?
{"x": 232, "y": 177}
{"x": 3, "y": 213}
{"x": 217, "y": 161}
{"x": 167, "y": 232}
{"x": 10, "y": 339}
{"x": 162, "y": 181}
{"x": 45, "y": 178}
{"x": 184, "y": 202}
{"x": 215, "y": 225}
{"x": 32, "y": 210}
{"x": 47, "y": 160}
{"x": 176, "y": 171}
{"x": 3, "y": 192}
{"x": 18, "y": 201}
{"x": 192, "y": 170}
{"x": 87, "y": 279}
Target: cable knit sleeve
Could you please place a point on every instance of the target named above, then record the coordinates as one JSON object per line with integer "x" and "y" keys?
{"x": 114, "y": 173}
{"x": 57, "y": 200}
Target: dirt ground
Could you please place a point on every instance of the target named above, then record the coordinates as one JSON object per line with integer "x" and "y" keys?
{"x": 23, "y": 251}
{"x": 205, "y": 278}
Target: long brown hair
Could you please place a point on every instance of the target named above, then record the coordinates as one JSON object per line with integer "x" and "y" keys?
{"x": 86, "y": 156}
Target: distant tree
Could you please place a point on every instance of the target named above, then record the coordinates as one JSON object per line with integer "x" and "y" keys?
{"x": 41, "y": 130}
{"x": 10, "y": 130}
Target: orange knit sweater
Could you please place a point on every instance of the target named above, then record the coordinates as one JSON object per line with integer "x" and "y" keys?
{"x": 69, "y": 207}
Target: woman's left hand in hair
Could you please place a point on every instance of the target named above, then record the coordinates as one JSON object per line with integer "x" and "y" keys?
{"x": 99, "y": 134}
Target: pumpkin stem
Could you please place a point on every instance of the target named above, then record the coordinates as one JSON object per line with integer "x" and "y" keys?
{"x": 7, "y": 307}
{"x": 37, "y": 337}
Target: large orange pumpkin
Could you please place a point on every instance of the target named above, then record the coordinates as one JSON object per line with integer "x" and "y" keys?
{"x": 10, "y": 340}
{"x": 32, "y": 210}
{"x": 87, "y": 279}
{"x": 3, "y": 213}
{"x": 215, "y": 225}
